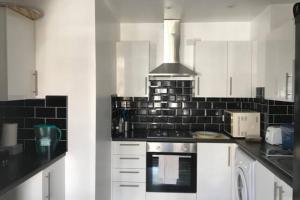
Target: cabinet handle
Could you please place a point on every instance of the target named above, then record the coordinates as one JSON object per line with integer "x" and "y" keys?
{"x": 280, "y": 189}
{"x": 129, "y": 186}
{"x": 49, "y": 187}
{"x": 128, "y": 158}
{"x": 239, "y": 126}
{"x": 129, "y": 172}
{"x": 230, "y": 87}
{"x": 198, "y": 85}
{"x": 275, "y": 190}
{"x": 146, "y": 88}
{"x": 35, "y": 75}
{"x": 229, "y": 156}
{"x": 129, "y": 144}
{"x": 287, "y": 76}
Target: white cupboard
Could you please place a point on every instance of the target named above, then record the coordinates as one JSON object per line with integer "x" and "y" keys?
{"x": 239, "y": 69}
{"x": 224, "y": 69}
{"x": 211, "y": 67}
{"x": 128, "y": 170}
{"x": 280, "y": 56}
{"x": 133, "y": 59}
{"x": 18, "y": 77}
{"x": 54, "y": 181}
{"x": 214, "y": 171}
{"x": 270, "y": 187}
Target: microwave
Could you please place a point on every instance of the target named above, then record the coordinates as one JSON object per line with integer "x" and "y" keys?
{"x": 240, "y": 124}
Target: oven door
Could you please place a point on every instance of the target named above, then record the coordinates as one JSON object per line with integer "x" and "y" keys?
{"x": 228, "y": 122}
{"x": 171, "y": 172}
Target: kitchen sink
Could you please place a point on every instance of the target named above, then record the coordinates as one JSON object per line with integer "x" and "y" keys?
{"x": 209, "y": 135}
{"x": 285, "y": 163}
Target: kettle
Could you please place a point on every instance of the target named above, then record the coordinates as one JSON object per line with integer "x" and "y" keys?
{"x": 46, "y": 139}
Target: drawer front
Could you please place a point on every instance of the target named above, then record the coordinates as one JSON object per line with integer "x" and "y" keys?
{"x": 127, "y": 190}
{"x": 129, "y": 148}
{"x": 128, "y": 162}
{"x": 129, "y": 175}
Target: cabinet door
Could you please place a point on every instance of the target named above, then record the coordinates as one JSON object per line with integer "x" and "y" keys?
{"x": 284, "y": 191}
{"x": 128, "y": 148}
{"x": 29, "y": 190}
{"x": 214, "y": 171}
{"x": 264, "y": 183}
{"x": 132, "y": 69}
{"x": 239, "y": 69}
{"x": 280, "y": 55}
{"x": 54, "y": 181}
{"x": 211, "y": 67}
{"x": 20, "y": 56}
{"x": 128, "y": 190}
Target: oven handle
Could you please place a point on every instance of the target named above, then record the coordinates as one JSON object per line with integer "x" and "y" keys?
{"x": 156, "y": 156}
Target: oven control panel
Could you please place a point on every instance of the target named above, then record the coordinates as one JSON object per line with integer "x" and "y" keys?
{"x": 172, "y": 147}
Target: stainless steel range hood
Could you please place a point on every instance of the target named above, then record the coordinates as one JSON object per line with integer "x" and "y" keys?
{"x": 172, "y": 66}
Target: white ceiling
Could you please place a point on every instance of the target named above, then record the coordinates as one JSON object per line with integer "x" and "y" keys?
{"x": 189, "y": 10}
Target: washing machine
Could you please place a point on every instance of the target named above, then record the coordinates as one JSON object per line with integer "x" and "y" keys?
{"x": 244, "y": 188}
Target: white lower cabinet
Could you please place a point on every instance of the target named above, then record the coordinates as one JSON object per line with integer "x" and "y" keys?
{"x": 214, "y": 171}
{"x": 128, "y": 161}
{"x": 54, "y": 181}
{"x": 128, "y": 191}
{"x": 129, "y": 175}
{"x": 48, "y": 184}
{"x": 170, "y": 196}
{"x": 128, "y": 170}
{"x": 270, "y": 187}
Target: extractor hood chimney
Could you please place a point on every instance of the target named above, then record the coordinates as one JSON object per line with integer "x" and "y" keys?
{"x": 172, "y": 66}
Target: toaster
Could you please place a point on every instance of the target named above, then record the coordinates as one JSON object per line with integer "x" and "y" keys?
{"x": 273, "y": 135}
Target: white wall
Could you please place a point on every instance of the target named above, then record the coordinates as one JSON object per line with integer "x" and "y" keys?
{"x": 107, "y": 33}
{"x": 153, "y": 32}
{"x": 65, "y": 59}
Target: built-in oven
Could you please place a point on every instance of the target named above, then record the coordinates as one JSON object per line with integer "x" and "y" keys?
{"x": 171, "y": 167}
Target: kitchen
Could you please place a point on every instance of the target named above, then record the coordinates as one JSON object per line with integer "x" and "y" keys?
{"x": 83, "y": 56}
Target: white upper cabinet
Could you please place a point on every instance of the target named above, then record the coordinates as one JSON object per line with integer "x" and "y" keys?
{"x": 132, "y": 68}
{"x": 239, "y": 69}
{"x": 17, "y": 53}
{"x": 211, "y": 67}
{"x": 280, "y": 56}
{"x": 224, "y": 69}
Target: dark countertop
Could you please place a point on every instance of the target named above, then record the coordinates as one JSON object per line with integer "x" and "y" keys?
{"x": 230, "y": 140}
{"x": 254, "y": 150}
{"x": 22, "y": 167}
{"x": 141, "y": 135}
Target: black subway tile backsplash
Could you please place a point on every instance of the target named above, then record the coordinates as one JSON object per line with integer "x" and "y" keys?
{"x": 45, "y": 112}
{"x": 30, "y": 112}
{"x": 61, "y": 112}
{"x": 56, "y": 101}
{"x": 35, "y": 102}
{"x": 168, "y": 107}
{"x": 278, "y": 109}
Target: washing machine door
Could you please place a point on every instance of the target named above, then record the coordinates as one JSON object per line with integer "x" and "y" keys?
{"x": 241, "y": 188}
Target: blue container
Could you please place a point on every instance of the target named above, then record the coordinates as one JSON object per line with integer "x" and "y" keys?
{"x": 287, "y": 137}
